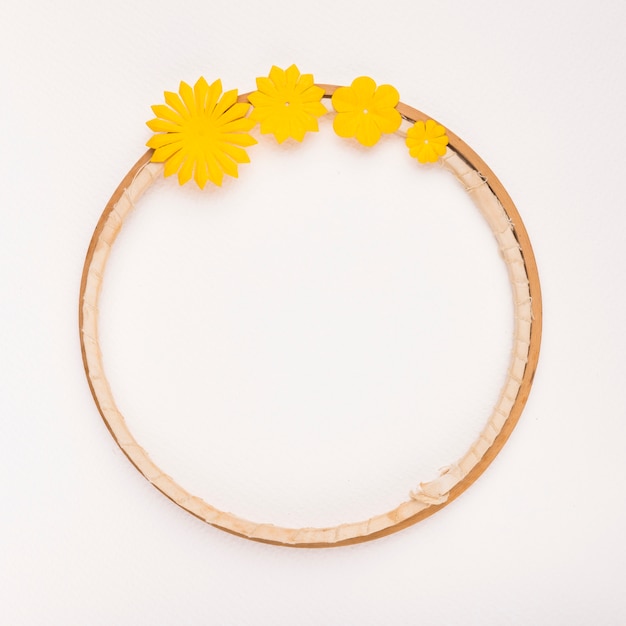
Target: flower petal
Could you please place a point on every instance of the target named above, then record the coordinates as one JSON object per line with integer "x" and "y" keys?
{"x": 215, "y": 91}
{"x": 306, "y": 82}
{"x": 235, "y": 112}
{"x": 363, "y": 88}
{"x": 215, "y": 173}
{"x": 173, "y": 99}
{"x": 173, "y": 164}
{"x": 186, "y": 93}
{"x": 157, "y": 141}
{"x": 384, "y": 97}
{"x": 388, "y": 120}
{"x": 234, "y": 152}
{"x": 228, "y": 100}
{"x": 259, "y": 99}
{"x": 164, "y": 153}
{"x": 292, "y": 73}
{"x": 201, "y": 174}
{"x": 439, "y": 148}
{"x": 239, "y": 139}
{"x": 226, "y": 163}
{"x": 266, "y": 86}
{"x": 163, "y": 126}
{"x": 344, "y": 100}
{"x": 277, "y": 76}
{"x": 166, "y": 113}
{"x": 240, "y": 124}
{"x": 316, "y": 109}
{"x": 417, "y": 132}
{"x": 347, "y": 124}
{"x": 186, "y": 171}
{"x": 201, "y": 90}
{"x": 368, "y": 133}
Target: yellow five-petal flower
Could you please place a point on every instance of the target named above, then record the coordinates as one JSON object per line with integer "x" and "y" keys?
{"x": 365, "y": 111}
{"x": 426, "y": 141}
{"x": 202, "y": 133}
{"x": 287, "y": 103}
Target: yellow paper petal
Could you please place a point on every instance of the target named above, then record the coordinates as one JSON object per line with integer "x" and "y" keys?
{"x": 259, "y": 99}
{"x": 215, "y": 173}
{"x": 291, "y": 75}
{"x": 163, "y": 126}
{"x": 186, "y": 171}
{"x": 162, "y": 154}
{"x": 213, "y": 96}
{"x": 363, "y": 88}
{"x": 238, "y": 125}
{"x": 173, "y": 100}
{"x": 201, "y": 174}
{"x": 313, "y": 94}
{"x": 226, "y": 163}
{"x": 277, "y": 76}
{"x": 388, "y": 121}
{"x": 236, "y": 153}
{"x": 440, "y": 149}
{"x": 158, "y": 141}
{"x": 173, "y": 163}
{"x": 344, "y": 100}
{"x": 305, "y": 83}
{"x": 186, "y": 93}
{"x": 385, "y": 97}
{"x": 166, "y": 113}
{"x": 266, "y": 86}
{"x": 228, "y": 100}
{"x": 347, "y": 124}
{"x": 239, "y": 139}
{"x": 201, "y": 89}
{"x": 314, "y": 109}
{"x": 235, "y": 112}
{"x": 368, "y": 133}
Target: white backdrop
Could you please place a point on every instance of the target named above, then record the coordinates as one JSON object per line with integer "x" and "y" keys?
{"x": 307, "y": 322}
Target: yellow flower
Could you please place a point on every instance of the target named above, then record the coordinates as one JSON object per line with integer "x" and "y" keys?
{"x": 365, "y": 111}
{"x": 287, "y": 103}
{"x": 426, "y": 142}
{"x": 201, "y": 133}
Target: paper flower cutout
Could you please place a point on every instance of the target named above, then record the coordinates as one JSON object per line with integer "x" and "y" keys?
{"x": 201, "y": 133}
{"x": 365, "y": 111}
{"x": 287, "y": 103}
{"x": 426, "y": 142}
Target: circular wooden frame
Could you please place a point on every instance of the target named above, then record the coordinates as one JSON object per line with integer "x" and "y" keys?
{"x": 498, "y": 209}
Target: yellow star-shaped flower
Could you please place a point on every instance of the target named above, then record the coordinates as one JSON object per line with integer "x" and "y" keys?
{"x": 201, "y": 133}
{"x": 427, "y": 141}
{"x": 365, "y": 111}
{"x": 287, "y": 103}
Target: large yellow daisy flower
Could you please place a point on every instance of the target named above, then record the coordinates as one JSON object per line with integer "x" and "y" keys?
{"x": 287, "y": 103}
{"x": 365, "y": 111}
{"x": 200, "y": 133}
{"x": 426, "y": 141}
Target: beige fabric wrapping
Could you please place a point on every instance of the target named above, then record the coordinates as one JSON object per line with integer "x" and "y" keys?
{"x": 428, "y": 496}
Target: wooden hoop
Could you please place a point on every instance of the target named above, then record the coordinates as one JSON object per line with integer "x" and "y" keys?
{"x": 498, "y": 209}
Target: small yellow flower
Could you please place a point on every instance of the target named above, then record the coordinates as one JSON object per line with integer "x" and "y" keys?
{"x": 426, "y": 142}
{"x": 365, "y": 111}
{"x": 200, "y": 133}
{"x": 287, "y": 103}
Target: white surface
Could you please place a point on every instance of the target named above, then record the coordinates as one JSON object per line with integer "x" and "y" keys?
{"x": 537, "y": 92}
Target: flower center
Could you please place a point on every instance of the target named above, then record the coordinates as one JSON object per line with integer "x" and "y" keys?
{"x": 200, "y": 126}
